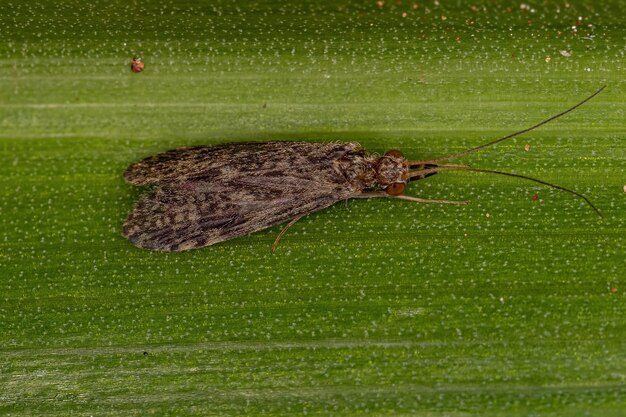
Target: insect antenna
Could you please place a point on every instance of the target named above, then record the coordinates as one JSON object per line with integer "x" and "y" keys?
{"x": 512, "y": 135}
{"x": 424, "y": 172}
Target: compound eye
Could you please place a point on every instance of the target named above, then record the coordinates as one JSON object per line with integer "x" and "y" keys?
{"x": 396, "y": 188}
{"x": 394, "y": 153}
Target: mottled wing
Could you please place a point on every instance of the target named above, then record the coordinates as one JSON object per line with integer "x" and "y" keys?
{"x": 189, "y": 215}
{"x": 232, "y": 159}
{"x": 211, "y": 194}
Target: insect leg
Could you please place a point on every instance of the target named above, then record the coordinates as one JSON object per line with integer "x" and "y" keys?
{"x": 424, "y": 200}
{"x": 370, "y": 194}
{"x": 282, "y": 232}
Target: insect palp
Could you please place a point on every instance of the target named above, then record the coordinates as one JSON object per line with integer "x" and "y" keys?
{"x": 372, "y": 194}
{"x": 418, "y": 175}
{"x": 427, "y": 200}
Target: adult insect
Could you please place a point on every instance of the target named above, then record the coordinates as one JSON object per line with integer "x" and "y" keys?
{"x": 209, "y": 194}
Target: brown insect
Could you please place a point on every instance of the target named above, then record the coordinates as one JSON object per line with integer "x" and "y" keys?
{"x": 209, "y": 194}
{"x": 136, "y": 65}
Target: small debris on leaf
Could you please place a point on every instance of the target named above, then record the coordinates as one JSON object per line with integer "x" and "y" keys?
{"x": 136, "y": 65}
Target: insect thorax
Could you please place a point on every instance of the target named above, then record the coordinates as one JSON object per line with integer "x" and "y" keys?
{"x": 372, "y": 171}
{"x": 390, "y": 170}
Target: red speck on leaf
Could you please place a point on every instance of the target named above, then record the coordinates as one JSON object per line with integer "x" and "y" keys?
{"x": 136, "y": 65}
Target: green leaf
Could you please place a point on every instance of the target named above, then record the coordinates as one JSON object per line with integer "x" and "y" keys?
{"x": 508, "y": 306}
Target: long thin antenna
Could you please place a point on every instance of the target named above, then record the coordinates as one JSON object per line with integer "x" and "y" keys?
{"x": 508, "y": 174}
{"x": 465, "y": 152}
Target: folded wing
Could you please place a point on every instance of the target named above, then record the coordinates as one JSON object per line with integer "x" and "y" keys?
{"x": 209, "y": 194}
{"x": 192, "y": 214}
{"x": 221, "y": 162}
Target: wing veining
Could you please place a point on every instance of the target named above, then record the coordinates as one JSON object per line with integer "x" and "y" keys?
{"x": 233, "y": 159}
{"x": 210, "y": 194}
